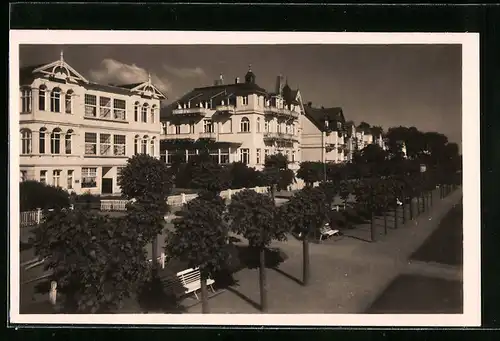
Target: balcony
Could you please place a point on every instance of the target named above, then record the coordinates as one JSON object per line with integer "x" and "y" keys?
{"x": 191, "y": 111}
{"x": 280, "y": 137}
{"x": 208, "y": 136}
{"x": 183, "y": 136}
{"x": 226, "y": 109}
{"x": 281, "y": 112}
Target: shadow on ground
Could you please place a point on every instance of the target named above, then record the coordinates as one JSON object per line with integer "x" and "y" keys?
{"x": 414, "y": 294}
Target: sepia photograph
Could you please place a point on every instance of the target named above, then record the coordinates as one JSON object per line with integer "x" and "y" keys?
{"x": 284, "y": 179}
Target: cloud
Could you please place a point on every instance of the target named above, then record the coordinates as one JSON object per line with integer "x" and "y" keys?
{"x": 196, "y": 72}
{"x": 113, "y": 71}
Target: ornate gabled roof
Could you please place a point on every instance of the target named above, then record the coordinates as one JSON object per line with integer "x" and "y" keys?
{"x": 319, "y": 116}
{"x": 61, "y": 70}
{"x": 145, "y": 89}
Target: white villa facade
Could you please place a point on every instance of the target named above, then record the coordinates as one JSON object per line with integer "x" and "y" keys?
{"x": 234, "y": 122}
{"x": 76, "y": 134}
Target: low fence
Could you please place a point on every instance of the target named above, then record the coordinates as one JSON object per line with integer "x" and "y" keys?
{"x": 31, "y": 218}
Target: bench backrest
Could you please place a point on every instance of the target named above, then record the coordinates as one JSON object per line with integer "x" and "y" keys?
{"x": 189, "y": 276}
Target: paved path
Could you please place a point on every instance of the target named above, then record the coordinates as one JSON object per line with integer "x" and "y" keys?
{"x": 347, "y": 275}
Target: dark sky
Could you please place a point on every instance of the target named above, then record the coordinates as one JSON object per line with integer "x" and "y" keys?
{"x": 387, "y": 85}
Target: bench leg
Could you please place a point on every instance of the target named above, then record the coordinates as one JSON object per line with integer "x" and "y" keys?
{"x": 196, "y": 295}
{"x": 212, "y": 288}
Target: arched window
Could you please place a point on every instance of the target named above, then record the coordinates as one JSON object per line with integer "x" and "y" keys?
{"x": 153, "y": 113}
{"x": 144, "y": 113}
{"x": 68, "y": 103}
{"x": 41, "y": 141}
{"x": 136, "y": 111}
{"x": 25, "y": 141}
{"x": 266, "y": 126}
{"x": 55, "y": 100}
{"x": 25, "y": 100}
{"x": 258, "y": 124}
{"x": 152, "y": 147}
{"x": 245, "y": 125}
{"x": 41, "y": 97}
{"x": 144, "y": 145}
{"x": 67, "y": 141}
{"x": 137, "y": 140}
{"x": 55, "y": 141}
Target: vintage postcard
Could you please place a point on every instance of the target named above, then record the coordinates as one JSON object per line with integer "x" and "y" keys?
{"x": 244, "y": 178}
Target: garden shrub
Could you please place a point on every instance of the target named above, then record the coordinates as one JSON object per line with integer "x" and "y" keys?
{"x": 34, "y": 194}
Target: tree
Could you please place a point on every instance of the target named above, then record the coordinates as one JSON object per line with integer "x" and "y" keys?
{"x": 346, "y": 188}
{"x": 34, "y": 194}
{"x": 331, "y": 190}
{"x": 368, "y": 199}
{"x": 148, "y": 181}
{"x": 306, "y": 212}
{"x": 243, "y": 176}
{"x": 208, "y": 175}
{"x": 276, "y": 174}
{"x": 253, "y": 215}
{"x": 97, "y": 261}
{"x": 311, "y": 172}
{"x": 200, "y": 239}
{"x": 365, "y": 127}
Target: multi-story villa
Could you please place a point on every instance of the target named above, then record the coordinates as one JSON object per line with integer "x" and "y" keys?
{"x": 76, "y": 134}
{"x": 238, "y": 121}
{"x": 323, "y": 134}
{"x": 358, "y": 138}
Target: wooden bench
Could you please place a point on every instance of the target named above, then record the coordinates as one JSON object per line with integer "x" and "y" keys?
{"x": 326, "y": 231}
{"x": 186, "y": 282}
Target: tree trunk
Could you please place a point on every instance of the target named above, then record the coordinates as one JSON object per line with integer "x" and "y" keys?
{"x": 305, "y": 256}
{"x": 154, "y": 252}
{"x": 204, "y": 294}
{"x": 418, "y": 205}
{"x": 372, "y": 227}
{"x": 385, "y": 222}
{"x": 396, "y": 216}
{"x": 411, "y": 208}
{"x": 262, "y": 279}
{"x": 403, "y": 206}
{"x": 273, "y": 192}
{"x": 431, "y": 196}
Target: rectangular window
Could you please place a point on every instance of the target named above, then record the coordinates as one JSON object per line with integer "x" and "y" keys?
{"x": 41, "y": 99}
{"x": 191, "y": 154}
{"x": 90, "y": 105}
{"x": 24, "y": 176}
{"x": 89, "y": 177}
{"x": 266, "y": 126}
{"x": 67, "y": 143}
{"x": 70, "y": 179}
{"x": 214, "y": 155}
{"x": 55, "y": 101}
{"x": 293, "y": 155}
{"x": 224, "y": 155}
{"x": 266, "y": 153}
{"x": 43, "y": 176}
{"x": 56, "y": 177}
{"x": 68, "y": 103}
{"x": 105, "y": 144}
{"x": 41, "y": 142}
{"x": 119, "y": 145}
{"x": 245, "y": 155}
{"x": 230, "y": 125}
{"x": 152, "y": 147}
{"x": 105, "y": 107}
{"x": 144, "y": 146}
{"x": 208, "y": 127}
{"x": 119, "y": 109}
{"x": 191, "y": 127}
{"x": 90, "y": 144}
{"x": 163, "y": 157}
{"x": 177, "y": 129}
{"x": 245, "y": 100}
{"x": 258, "y": 156}
{"x": 25, "y": 100}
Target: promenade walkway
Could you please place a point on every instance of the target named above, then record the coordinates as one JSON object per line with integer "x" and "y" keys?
{"x": 347, "y": 275}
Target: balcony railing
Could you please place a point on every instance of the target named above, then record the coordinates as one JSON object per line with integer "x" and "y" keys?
{"x": 208, "y": 135}
{"x": 280, "y": 112}
{"x": 182, "y": 136}
{"x": 280, "y": 136}
{"x": 191, "y": 111}
{"x": 230, "y": 109}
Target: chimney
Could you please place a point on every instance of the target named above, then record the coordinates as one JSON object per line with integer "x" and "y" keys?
{"x": 279, "y": 84}
{"x": 237, "y": 80}
{"x": 309, "y": 104}
{"x": 221, "y": 79}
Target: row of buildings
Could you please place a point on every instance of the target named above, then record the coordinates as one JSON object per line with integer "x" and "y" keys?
{"x": 77, "y": 134}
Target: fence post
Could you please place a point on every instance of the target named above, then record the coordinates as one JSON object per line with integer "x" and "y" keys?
{"x": 38, "y": 215}
{"x": 53, "y": 292}
{"x": 162, "y": 260}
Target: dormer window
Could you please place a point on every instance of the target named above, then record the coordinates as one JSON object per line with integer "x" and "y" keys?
{"x": 179, "y": 106}
{"x": 245, "y": 100}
